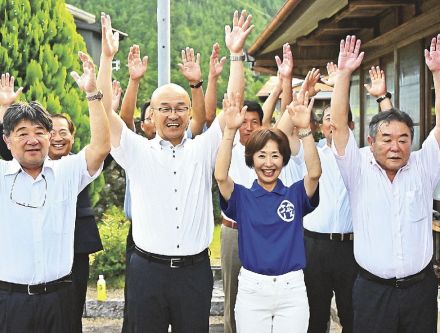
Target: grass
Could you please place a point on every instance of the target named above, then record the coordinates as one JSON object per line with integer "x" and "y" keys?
{"x": 215, "y": 246}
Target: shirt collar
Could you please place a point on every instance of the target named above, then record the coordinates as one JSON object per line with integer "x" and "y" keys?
{"x": 159, "y": 143}
{"x": 258, "y": 191}
{"x": 13, "y": 166}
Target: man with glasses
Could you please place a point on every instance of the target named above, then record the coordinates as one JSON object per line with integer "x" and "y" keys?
{"x": 38, "y": 204}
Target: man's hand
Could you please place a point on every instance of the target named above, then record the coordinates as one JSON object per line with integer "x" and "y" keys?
{"x": 231, "y": 108}
{"x": 300, "y": 109}
{"x": 136, "y": 66}
{"x": 116, "y": 95}
{"x": 331, "y": 72}
{"x": 378, "y": 85}
{"x": 349, "y": 57}
{"x": 310, "y": 81}
{"x": 241, "y": 28}
{"x": 216, "y": 65}
{"x": 432, "y": 57}
{"x": 110, "y": 40}
{"x": 87, "y": 81}
{"x": 190, "y": 66}
{"x": 7, "y": 94}
{"x": 285, "y": 67}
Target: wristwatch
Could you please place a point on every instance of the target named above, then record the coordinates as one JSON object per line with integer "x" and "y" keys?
{"x": 304, "y": 132}
{"x": 197, "y": 85}
{"x": 237, "y": 57}
{"x": 381, "y": 98}
{"x": 96, "y": 96}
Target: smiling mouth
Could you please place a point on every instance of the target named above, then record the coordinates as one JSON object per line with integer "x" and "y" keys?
{"x": 268, "y": 173}
{"x": 58, "y": 145}
{"x": 173, "y": 125}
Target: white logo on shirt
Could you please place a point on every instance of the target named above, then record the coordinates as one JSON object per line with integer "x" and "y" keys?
{"x": 286, "y": 211}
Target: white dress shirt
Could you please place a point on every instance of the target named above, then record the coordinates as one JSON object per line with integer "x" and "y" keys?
{"x": 170, "y": 187}
{"x": 333, "y": 213}
{"x": 392, "y": 220}
{"x": 243, "y": 175}
{"x": 36, "y": 244}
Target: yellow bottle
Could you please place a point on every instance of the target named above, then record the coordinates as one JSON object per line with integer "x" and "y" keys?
{"x": 100, "y": 286}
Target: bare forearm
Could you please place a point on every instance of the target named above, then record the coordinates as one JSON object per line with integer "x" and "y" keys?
{"x": 311, "y": 157}
{"x": 199, "y": 114}
{"x": 385, "y": 104}
{"x": 269, "y": 107}
{"x": 211, "y": 100}
{"x": 339, "y": 110}
{"x": 236, "y": 78}
{"x": 104, "y": 81}
{"x": 224, "y": 154}
{"x": 3, "y": 109}
{"x": 286, "y": 96}
{"x": 129, "y": 103}
{"x": 436, "y": 77}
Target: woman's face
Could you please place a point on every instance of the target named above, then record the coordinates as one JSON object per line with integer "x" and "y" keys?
{"x": 268, "y": 163}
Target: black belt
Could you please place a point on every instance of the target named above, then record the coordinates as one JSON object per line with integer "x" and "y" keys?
{"x": 397, "y": 283}
{"x": 333, "y": 236}
{"x": 173, "y": 261}
{"x": 36, "y": 289}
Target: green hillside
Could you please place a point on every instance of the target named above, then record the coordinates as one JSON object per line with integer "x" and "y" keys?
{"x": 194, "y": 23}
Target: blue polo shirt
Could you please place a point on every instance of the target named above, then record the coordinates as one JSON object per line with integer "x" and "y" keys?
{"x": 270, "y": 226}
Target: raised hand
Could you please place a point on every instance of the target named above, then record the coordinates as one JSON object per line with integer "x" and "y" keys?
{"x": 332, "y": 69}
{"x": 310, "y": 82}
{"x": 241, "y": 28}
{"x": 7, "y": 94}
{"x": 116, "y": 95}
{"x": 110, "y": 40}
{"x": 432, "y": 57}
{"x": 136, "y": 66}
{"x": 216, "y": 65}
{"x": 300, "y": 109}
{"x": 378, "y": 85}
{"x": 190, "y": 66}
{"x": 231, "y": 108}
{"x": 87, "y": 81}
{"x": 285, "y": 67}
{"x": 349, "y": 57}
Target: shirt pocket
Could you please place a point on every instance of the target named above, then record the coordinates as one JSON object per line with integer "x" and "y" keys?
{"x": 415, "y": 206}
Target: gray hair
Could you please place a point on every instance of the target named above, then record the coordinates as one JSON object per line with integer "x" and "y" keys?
{"x": 32, "y": 111}
{"x": 387, "y": 117}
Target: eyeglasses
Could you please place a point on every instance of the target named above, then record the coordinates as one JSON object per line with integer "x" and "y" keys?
{"x": 166, "y": 110}
{"x": 23, "y": 204}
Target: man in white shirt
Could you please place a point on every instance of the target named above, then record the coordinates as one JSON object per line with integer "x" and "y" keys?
{"x": 390, "y": 193}
{"x": 328, "y": 238}
{"x": 38, "y": 206}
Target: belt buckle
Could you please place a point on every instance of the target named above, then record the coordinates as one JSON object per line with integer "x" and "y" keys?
{"x": 31, "y": 293}
{"x": 173, "y": 260}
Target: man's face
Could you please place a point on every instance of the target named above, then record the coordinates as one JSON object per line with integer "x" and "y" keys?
{"x": 29, "y": 144}
{"x": 147, "y": 125}
{"x": 326, "y": 125}
{"x": 250, "y": 124}
{"x": 392, "y": 146}
{"x": 61, "y": 140}
{"x": 170, "y": 125}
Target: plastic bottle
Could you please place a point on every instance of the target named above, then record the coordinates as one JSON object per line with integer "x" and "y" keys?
{"x": 100, "y": 286}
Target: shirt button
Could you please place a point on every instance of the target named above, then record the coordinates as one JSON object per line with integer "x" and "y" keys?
{"x": 175, "y": 190}
{"x": 178, "y": 245}
{"x": 176, "y": 208}
{"x": 178, "y": 227}
{"x": 174, "y": 156}
{"x": 274, "y": 279}
{"x": 175, "y": 172}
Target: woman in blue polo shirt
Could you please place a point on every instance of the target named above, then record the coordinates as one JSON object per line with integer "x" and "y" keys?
{"x": 271, "y": 292}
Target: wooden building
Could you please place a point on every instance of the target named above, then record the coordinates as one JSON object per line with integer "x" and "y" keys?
{"x": 394, "y": 34}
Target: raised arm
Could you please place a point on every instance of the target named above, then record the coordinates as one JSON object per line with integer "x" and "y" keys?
{"x": 99, "y": 146}
{"x": 300, "y": 112}
{"x": 190, "y": 69}
{"x": 285, "y": 69}
{"x": 378, "y": 88}
{"x": 432, "y": 59}
{"x": 233, "y": 118}
{"x": 349, "y": 60}
{"x": 136, "y": 68}
{"x": 215, "y": 69}
{"x": 332, "y": 70}
{"x": 116, "y": 95}
{"x": 235, "y": 39}
{"x": 110, "y": 44}
{"x": 271, "y": 102}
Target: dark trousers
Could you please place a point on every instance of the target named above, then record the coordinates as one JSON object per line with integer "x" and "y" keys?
{"x": 159, "y": 295}
{"x": 330, "y": 268}
{"x": 380, "y": 308}
{"x": 80, "y": 277}
{"x": 45, "y": 313}
{"x": 129, "y": 249}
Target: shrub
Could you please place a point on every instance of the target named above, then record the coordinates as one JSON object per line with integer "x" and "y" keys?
{"x": 113, "y": 229}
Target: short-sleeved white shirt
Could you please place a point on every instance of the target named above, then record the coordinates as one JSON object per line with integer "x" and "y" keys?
{"x": 392, "y": 221}
{"x": 36, "y": 244}
{"x": 170, "y": 187}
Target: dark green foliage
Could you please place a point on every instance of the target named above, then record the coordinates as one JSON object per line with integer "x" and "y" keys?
{"x": 113, "y": 229}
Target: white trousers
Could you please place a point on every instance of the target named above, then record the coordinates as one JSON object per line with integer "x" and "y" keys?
{"x": 271, "y": 304}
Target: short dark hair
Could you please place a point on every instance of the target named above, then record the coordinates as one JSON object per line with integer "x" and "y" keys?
{"x": 32, "y": 111}
{"x": 144, "y": 108}
{"x": 258, "y": 140}
{"x": 67, "y": 118}
{"x": 389, "y": 116}
{"x": 254, "y": 107}
{"x": 349, "y": 118}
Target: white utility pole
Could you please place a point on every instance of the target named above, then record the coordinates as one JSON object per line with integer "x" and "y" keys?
{"x": 163, "y": 42}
